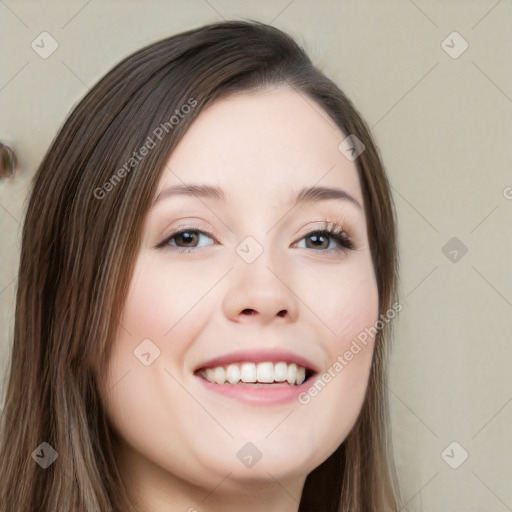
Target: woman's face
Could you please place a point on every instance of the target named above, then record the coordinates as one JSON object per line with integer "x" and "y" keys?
{"x": 252, "y": 284}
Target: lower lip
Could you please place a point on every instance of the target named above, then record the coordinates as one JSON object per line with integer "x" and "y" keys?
{"x": 267, "y": 394}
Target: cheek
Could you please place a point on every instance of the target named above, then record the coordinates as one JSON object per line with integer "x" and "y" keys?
{"x": 345, "y": 300}
{"x": 139, "y": 354}
{"x": 162, "y": 299}
{"x": 347, "y": 304}
{"x": 353, "y": 320}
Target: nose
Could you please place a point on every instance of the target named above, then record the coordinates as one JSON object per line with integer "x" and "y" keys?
{"x": 260, "y": 292}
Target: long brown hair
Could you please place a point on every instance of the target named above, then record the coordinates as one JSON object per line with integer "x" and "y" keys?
{"x": 81, "y": 237}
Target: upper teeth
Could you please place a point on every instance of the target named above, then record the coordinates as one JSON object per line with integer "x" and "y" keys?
{"x": 256, "y": 372}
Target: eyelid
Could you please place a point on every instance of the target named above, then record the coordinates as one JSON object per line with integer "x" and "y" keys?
{"x": 177, "y": 231}
{"x": 333, "y": 230}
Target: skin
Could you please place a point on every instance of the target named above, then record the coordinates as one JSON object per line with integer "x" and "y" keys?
{"x": 178, "y": 442}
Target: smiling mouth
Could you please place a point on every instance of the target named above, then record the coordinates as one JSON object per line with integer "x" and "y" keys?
{"x": 264, "y": 373}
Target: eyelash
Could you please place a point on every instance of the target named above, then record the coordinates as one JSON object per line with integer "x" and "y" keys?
{"x": 332, "y": 230}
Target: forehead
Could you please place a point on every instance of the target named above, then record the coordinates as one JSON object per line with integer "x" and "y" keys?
{"x": 263, "y": 144}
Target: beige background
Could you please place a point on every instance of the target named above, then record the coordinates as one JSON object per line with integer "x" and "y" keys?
{"x": 444, "y": 127}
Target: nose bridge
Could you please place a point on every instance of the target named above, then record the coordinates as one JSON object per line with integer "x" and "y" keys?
{"x": 258, "y": 247}
{"x": 258, "y": 283}
{"x": 259, "y": 264}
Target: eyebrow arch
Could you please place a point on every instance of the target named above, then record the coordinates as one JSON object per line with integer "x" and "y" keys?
{"x": 312, "y": 194}
{"x": 305, "y": 195}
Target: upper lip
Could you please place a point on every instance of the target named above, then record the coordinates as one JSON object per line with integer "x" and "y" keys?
{"x": 259, "y": 356}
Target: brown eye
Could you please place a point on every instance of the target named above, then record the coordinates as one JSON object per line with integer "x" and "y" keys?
{"x": 321, "y": 240}
{"x": 184, "y": 240}
{"x": 318, "y": 241}
{"x": 189, "y": 238}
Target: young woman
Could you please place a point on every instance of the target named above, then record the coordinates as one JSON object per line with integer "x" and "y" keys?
{"x": 206, "y": 289}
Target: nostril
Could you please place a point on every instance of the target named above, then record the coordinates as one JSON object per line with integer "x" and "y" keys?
{"x": 249, "y": 312}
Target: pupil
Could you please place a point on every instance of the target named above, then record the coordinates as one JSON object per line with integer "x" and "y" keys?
{"x": 316, "y": 238}
{"x": 187, "y": 237}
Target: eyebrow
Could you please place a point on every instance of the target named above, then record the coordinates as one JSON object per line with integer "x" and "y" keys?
{"x": 305, "y": 195}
